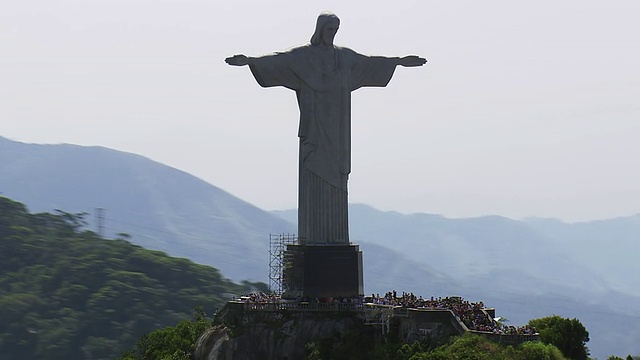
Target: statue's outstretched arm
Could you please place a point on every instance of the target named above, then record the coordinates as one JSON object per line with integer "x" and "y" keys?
{"x": 411, "y": 60}
{"x": 238, "y": 60}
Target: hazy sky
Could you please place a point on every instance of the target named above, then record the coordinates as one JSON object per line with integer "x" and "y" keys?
{"x": 525, "y": 108}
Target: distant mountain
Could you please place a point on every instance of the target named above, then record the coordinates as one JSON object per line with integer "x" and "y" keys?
{"x": 473, "y": 247}
{"x": 608, "y": 247}
{"x": 161, "y": 207}
{"x": 526, "y": 269}
{"x": 166, "y": 209}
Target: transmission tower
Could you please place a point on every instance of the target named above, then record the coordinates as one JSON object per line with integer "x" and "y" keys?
{"x": 100, "y": 220}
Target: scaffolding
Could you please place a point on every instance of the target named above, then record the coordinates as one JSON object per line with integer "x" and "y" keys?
{"x": 277, "y": 247}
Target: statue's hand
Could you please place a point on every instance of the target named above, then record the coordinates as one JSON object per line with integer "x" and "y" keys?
{"x": 412, "y": 60}
{"x": 237, "y": 60}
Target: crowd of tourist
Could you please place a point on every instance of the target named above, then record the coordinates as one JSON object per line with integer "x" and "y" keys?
{"x": 472, "y": 314}
{"x": 520, "y": 330}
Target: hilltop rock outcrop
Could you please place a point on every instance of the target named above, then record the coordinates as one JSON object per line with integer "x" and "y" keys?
{"x": 276, "y": 337}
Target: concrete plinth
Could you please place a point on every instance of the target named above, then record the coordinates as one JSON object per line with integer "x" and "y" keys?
{"x": 323, "y": 271}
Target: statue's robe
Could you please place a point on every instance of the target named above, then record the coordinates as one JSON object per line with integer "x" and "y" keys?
{"x": 323, "y": 80}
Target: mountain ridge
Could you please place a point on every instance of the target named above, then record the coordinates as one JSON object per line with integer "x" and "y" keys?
{"x": 171, "y": 210}
{"x": 513, "y": 265}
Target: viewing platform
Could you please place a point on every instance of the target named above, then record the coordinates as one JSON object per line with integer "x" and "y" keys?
{"x": 424, "y": 321}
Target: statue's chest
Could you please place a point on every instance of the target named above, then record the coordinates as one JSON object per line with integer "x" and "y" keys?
{"x": 326, "y": 65}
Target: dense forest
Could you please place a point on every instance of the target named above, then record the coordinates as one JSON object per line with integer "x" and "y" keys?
{"x": 67, "y": 293}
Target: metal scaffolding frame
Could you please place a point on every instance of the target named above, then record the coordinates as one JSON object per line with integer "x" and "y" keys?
{"x": 277, "y": 246}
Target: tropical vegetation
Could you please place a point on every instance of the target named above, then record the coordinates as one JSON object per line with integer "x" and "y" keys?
{"x": 67, "y": 293}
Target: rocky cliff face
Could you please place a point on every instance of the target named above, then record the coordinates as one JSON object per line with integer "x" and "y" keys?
{"x": 275, "y": 337}
{"x": 249, "y": 333}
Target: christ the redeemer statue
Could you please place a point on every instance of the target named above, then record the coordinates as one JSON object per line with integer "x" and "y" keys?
{"x": 323, "y": 76}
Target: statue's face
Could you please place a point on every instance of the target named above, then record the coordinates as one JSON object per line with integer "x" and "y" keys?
{"x": 329, "y": 32}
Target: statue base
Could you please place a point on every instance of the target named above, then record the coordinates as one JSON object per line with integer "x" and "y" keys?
{"x": 322, "y": 271}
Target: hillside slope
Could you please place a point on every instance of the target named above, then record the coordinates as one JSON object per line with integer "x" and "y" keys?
{"x": 66, "y": 293}
{"x": 161, "y": 207}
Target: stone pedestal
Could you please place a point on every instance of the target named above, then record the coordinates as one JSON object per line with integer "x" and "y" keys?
{"x": 323, "y": 271}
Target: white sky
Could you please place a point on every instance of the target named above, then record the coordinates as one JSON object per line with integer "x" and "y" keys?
{"x": 525, "y": 108}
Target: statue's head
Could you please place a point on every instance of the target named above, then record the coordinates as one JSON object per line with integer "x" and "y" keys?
{"x": 326, "y": 28}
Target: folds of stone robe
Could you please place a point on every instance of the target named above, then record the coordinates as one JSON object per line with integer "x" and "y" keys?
{"x": 323, "y": 80}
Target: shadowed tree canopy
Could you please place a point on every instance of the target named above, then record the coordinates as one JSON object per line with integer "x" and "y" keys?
{"x": 568, "y": 335}
{"x": 66, "y": 293}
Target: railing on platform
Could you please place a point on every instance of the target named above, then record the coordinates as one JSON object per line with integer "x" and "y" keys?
{"x": 299, "y": 306}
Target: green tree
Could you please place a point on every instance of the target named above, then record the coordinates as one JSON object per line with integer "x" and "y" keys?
{"x": 534, "y": 350}
{"x": 472, "y": 346}
{"x": 568, "y": 335}
{"x": 171, "y": 343}
{"x": 467, "y": 346}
